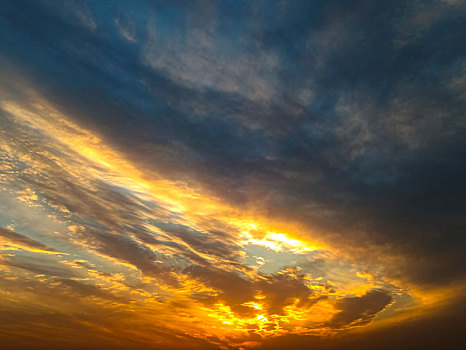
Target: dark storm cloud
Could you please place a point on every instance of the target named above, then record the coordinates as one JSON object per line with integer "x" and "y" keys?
{"x": 346, "y": 116}
{"x": 356, "y": 108}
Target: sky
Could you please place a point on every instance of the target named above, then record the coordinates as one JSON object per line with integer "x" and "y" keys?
{"x": 232, "y": 175}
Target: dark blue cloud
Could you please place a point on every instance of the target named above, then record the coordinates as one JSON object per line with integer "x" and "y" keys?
{"x": 354, "y": 107}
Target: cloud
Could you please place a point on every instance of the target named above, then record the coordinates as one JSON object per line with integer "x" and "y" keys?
{"x": 233, "y": 289}
{"x": 23, "y": 241}
{"x": 147, "y": 140}
{"x": 281, "y": 291}
{"x": 38, "y": 265}
{"x": 359, "y": 310}
{"x": 440, "y": 330}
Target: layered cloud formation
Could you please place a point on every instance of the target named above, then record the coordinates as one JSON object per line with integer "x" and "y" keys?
{"x": 231, "y": 175}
